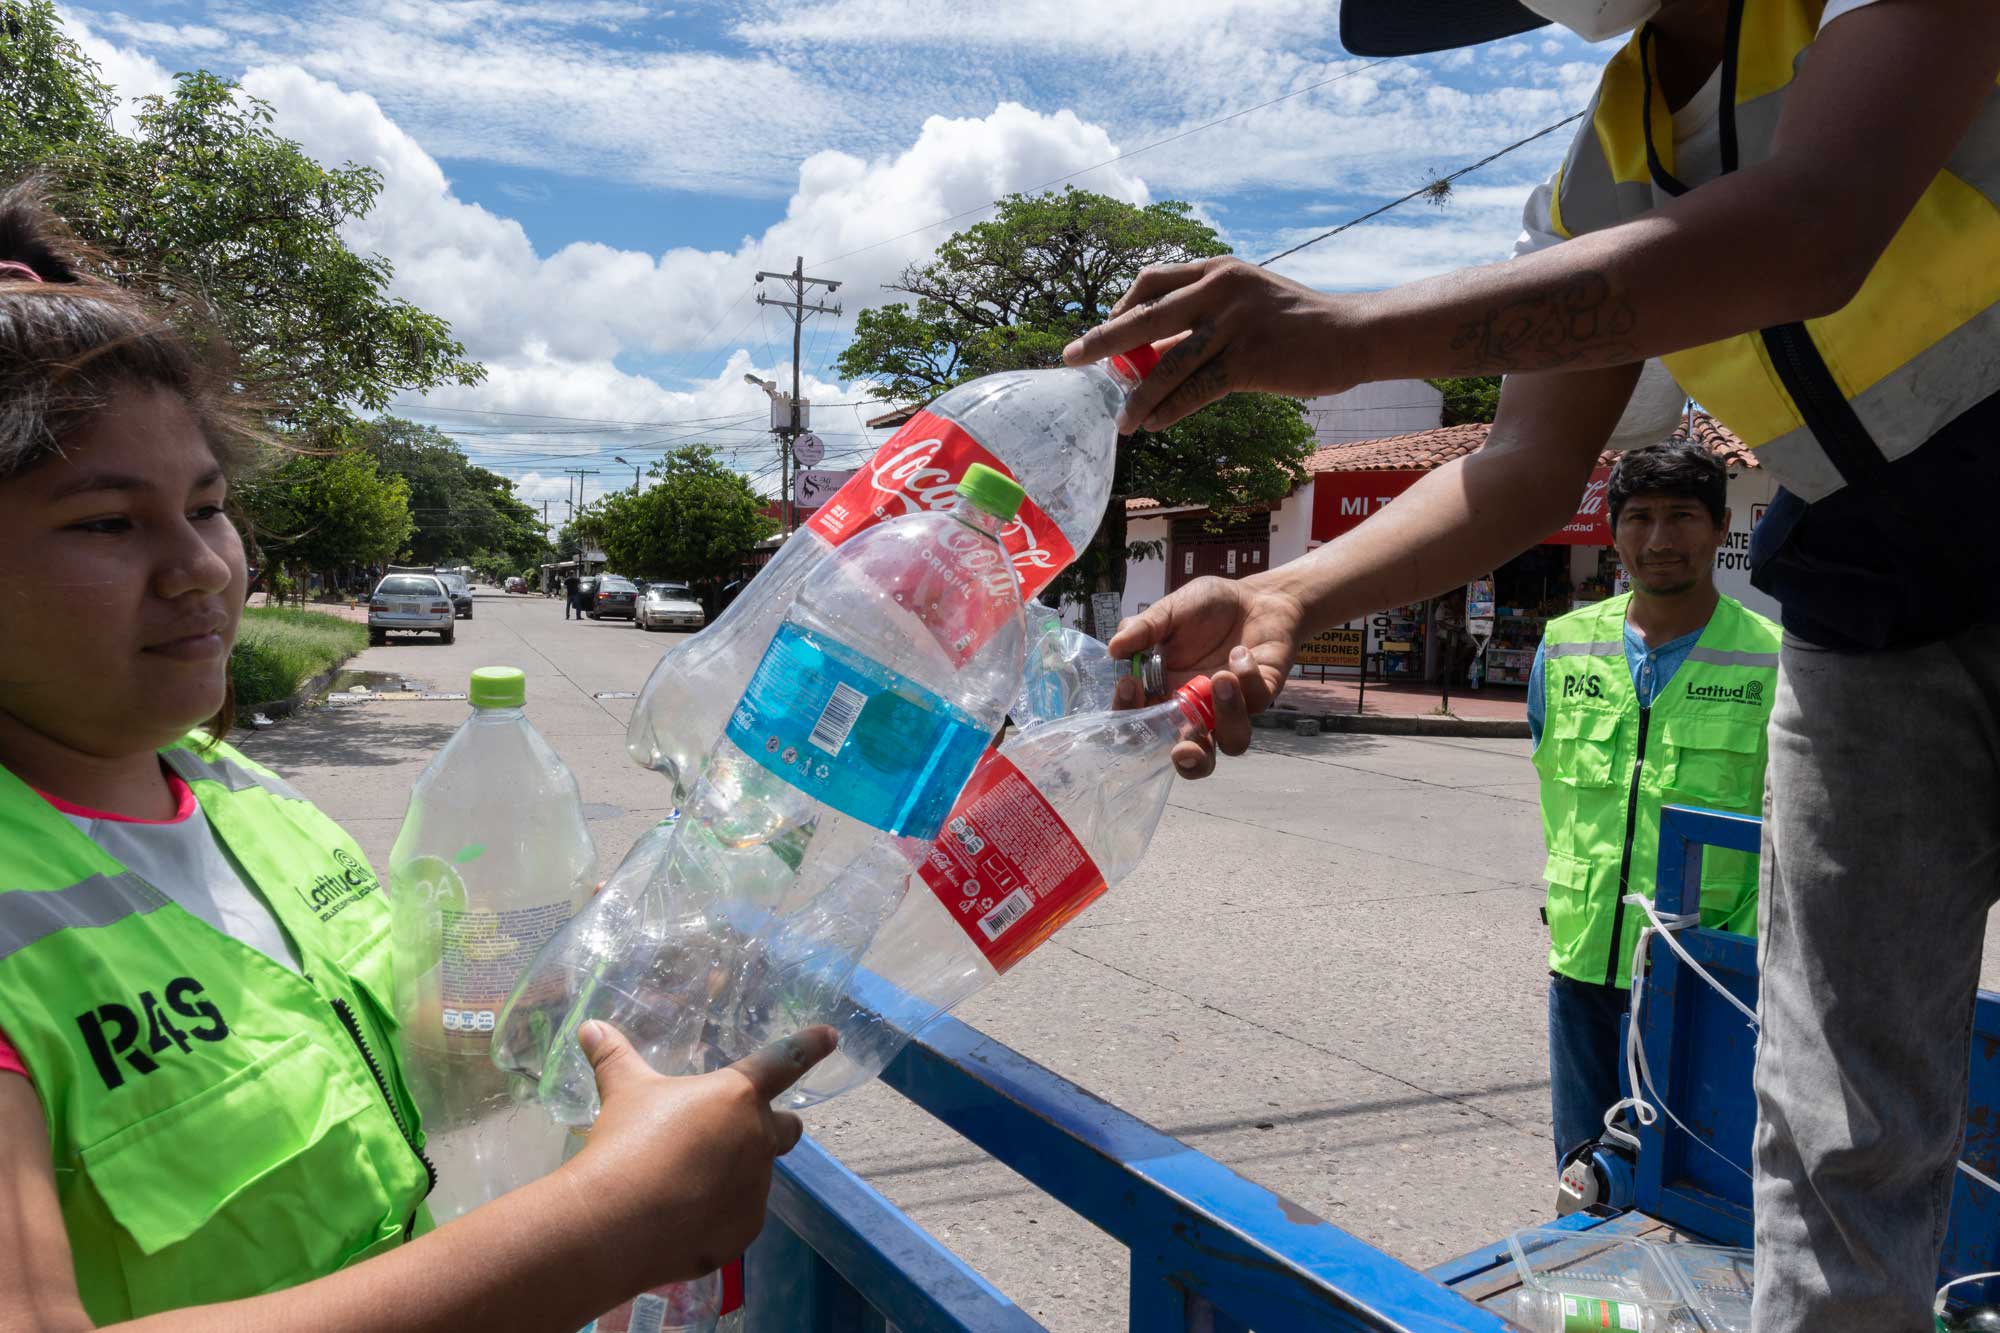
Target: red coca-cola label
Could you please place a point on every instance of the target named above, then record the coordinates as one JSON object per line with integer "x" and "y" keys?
{"x": 1006, "y": 867}
{"x": 920, "y": 468}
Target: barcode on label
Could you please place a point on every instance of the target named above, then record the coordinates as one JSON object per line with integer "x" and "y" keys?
{"x": 1011, "y": 909}
{"x": 837, "y": 718}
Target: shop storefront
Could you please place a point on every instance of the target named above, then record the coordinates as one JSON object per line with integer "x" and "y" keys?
{"x": 1573, "y": 566}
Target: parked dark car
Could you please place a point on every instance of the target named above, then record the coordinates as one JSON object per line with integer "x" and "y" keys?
{"x": 614, "y": 598}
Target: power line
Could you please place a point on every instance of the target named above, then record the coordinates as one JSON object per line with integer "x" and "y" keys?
{"x": 1160, "y": 143}
{"x": 1428, "y": 188}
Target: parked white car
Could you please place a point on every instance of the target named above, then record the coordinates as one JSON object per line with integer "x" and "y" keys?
{"x": 669, "y": 606}
{"x": 410, "y": 604}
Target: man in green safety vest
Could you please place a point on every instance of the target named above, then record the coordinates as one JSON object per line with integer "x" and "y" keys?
{"x": 1657, "y": 696}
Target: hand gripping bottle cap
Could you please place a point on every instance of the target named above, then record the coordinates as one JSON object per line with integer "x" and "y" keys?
{"x": 1137, "y": 363}
{"x": 499, "y": 687}
{"x": 993, "y": 491}
{"x": 1198, "y": 698}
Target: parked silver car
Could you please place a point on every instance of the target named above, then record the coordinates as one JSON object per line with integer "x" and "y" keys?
{"x": 412, "y": 604}
{"x": 669, "y": 606}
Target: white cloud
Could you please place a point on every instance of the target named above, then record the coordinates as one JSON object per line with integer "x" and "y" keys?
{"x": 132, "y": 74}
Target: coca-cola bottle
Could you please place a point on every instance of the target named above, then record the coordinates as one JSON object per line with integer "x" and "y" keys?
{"x": 1044, "y": 826}
{"x": 1052, "y": 431}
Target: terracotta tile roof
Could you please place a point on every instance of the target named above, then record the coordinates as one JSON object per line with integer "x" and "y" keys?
{"x": 1400, "y": 453}
{"x": 1432, "y": 448}
{"x": 1721, "y": 440}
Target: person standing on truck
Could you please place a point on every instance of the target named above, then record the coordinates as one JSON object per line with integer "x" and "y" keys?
{"x": 1796, "y": 204}
{"x": 1659, "y": 696}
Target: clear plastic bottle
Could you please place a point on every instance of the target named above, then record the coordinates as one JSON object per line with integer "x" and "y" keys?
{"x": 1046, "y": 824}
{"x": 1069, "y": 672}
{"x": 1053, "y": 431}
{"x": 492, "y": 860}
{"x": 874, "y": 701}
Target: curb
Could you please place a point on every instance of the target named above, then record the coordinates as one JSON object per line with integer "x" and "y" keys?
{"x": 1391, "y": 724}
{"x": 280, "y": 709}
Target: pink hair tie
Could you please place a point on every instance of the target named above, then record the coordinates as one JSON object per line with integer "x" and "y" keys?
{"x": 15, "y": 266}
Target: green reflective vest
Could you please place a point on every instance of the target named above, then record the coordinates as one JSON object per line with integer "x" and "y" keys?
{"x": 221, "y": 1126}
{"x": 1823, "y": 401}
{"x": 1608, "y": 765}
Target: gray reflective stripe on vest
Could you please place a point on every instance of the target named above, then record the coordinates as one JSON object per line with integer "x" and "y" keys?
{"x": 228, "y": 772}
{"x": 1902, "y": 410}
{"x": 1587, "y": 196}
{"x": 1616, "y": 649}
{"x": 1724, "y": 658}
{"x": 27, "y": 916}
{"x": 1977, "y": 161}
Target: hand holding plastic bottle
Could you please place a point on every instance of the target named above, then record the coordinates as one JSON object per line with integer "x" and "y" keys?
{"x": 1241, "y": 633}
{"x": 678, "y": 1168}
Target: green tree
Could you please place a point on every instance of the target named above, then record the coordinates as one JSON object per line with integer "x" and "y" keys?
{"x": 1469, "y": 398}
{"x": 205, "y": 199}
{"x": 326, "y": 511}
{"x": 694, "y": 523}
{"x": 459, "y": 508}
{"x": 1012, "y": 292}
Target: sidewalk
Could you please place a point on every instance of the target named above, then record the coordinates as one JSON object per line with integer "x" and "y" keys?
{"x": 347, "y": 610}
{"x": 1495, "y": 710}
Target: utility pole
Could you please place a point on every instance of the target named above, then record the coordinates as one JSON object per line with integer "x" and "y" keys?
{"x": 799, "y": 309}
{"x": 580, "y": 473}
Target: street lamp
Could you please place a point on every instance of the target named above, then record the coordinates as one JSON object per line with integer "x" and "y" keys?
{"x": 618, "y": 458}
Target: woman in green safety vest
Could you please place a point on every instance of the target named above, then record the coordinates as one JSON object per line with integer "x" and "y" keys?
{"x": 202, "y": 1117}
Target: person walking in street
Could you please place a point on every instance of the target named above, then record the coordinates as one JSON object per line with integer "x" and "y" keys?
{"x": 570, "y": 584}
{"x": 1658, "y": 696}
{"x": 1796, "y": 204}
{"x": 204, "y": 1119}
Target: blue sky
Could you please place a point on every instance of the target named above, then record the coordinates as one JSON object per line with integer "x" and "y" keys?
{"x": 586, "y": 187}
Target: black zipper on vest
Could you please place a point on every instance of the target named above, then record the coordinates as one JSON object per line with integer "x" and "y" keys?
{"x": 1823, "y": 407}
{"x": 353, "y": 1026}
{"x": 1625, "y": 862}
{"x": 1801, "y": 369}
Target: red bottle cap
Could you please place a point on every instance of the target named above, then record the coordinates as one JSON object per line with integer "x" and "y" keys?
{"x": 1138, "y": 362}
{"x": 1198, "y": 698}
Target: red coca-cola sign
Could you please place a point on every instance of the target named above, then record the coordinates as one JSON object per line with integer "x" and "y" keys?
{"x": 919, "y": 468}
{"x": 1592, "y": 524}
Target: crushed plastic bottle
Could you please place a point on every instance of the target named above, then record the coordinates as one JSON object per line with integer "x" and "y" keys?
{"x": 1052, "y": 431}
{"x": 1046, "y": 824}
{"x": 873, "y": 703}
{"x": 1068, "y": 672}
{"x": 492, "y": 860}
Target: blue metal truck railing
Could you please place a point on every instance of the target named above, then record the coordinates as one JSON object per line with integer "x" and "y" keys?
{"x": 1702, "y": 1054}
{"x": 1210, "y": 1250}
{"x": 1214, "y": 1252}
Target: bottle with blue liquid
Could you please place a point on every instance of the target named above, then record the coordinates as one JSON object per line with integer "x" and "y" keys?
{"x": 842, "y": 758}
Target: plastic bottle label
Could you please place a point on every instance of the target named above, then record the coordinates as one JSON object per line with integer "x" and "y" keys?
{"x": 1006, "y": 867}
{"x": 1591, "y": 1314}
{"x": 483, "y": 955}
{"x": 854, "y": 735}
{"x": 919, "y": 468}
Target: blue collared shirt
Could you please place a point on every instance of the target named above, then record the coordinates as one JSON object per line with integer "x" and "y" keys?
{"x": 1651, "y": 670}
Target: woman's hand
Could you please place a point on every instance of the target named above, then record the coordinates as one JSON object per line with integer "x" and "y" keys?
{"x": 1240, "y": 633}
{"x": 683, "y": 1164}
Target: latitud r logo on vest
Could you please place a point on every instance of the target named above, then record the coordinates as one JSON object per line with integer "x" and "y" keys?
{"x": 330, "y": 894}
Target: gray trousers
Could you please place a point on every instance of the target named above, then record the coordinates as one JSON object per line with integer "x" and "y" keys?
{"x": 1881, "y": 859}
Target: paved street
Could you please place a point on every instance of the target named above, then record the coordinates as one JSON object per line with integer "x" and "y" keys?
{"x": 1328, "y": 974}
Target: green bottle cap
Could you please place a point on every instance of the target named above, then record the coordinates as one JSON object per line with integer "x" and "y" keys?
{"x": 499, "y": 687}
{"x": 993, "y": 491}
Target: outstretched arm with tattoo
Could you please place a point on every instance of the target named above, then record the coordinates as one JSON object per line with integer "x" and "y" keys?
{"x": 1888, "y": 93}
